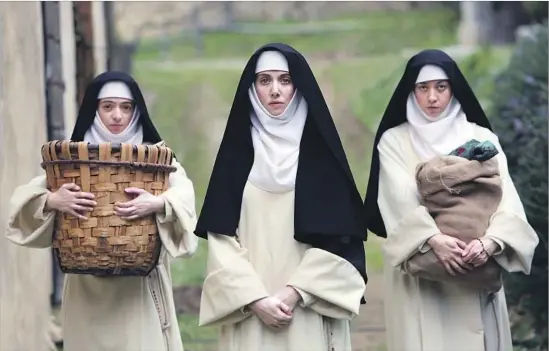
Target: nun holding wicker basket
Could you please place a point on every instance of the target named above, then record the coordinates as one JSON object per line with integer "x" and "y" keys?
{"x": 113, "y": 203}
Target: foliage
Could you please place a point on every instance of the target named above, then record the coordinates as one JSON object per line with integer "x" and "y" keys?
{"x": 537, "y": 10}
{"x": 481, "y": 68}
{"x": 520, "y": 119}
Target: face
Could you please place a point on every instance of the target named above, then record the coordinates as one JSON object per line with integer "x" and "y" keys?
{"x": 433, "y": 96}
{"x": 115, "y": 113}
{"x": 275, "y": 90}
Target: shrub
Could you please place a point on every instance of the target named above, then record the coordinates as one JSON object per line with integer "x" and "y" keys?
{"x": 520, "y": 118}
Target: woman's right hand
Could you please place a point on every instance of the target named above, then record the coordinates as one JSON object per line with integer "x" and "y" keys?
{"x": 69, "y": 199}
{"x": 272, "y": 311}
{"x": 449, "y": 252}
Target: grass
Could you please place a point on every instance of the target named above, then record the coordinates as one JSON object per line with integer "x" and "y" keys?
{"x": 373, "y": 33}
{"x": 196, "y": 338}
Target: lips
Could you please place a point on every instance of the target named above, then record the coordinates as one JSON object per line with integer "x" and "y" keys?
{"x": 276, "y": 103}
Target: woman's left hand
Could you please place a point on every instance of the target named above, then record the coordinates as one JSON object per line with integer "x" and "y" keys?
{"x": 479, "y": 251}
{"x": 289, "y": 296}
{"x": 144, "y": 204}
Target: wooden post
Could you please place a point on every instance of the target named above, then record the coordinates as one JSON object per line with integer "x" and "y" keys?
{"x": 85, "y": 65}
{"x": 68, "y": 49}
{"x": 55, "y": 88}
{"x": 55, "y": 85}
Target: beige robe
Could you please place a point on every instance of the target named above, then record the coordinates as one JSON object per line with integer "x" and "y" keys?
{"x": 422, "y": 315}
{"x": 263, "y": 260}
{"x": 115, "y": 313}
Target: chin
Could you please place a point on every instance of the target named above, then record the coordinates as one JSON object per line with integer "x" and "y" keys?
{"x": 277, "y": 112}
{"x": 433, "y": 116}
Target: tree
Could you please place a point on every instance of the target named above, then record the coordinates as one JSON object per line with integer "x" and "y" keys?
{"x": 520, "y": 118}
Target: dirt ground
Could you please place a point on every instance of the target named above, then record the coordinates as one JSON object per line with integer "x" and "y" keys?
{"x": 368, "y": 329}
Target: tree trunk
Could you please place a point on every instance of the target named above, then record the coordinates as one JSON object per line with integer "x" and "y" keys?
{"x": 476, "y": 26}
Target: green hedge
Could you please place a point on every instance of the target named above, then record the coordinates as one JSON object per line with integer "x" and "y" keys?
{"x": 520, "y": 117}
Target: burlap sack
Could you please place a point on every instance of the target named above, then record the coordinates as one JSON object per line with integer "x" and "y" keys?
{"x": 461, "y": 195}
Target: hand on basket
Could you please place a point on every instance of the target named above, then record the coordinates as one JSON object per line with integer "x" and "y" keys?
{"x": 449, "y": 252}
{"x": 272, "y": 311}
{"x": 69, "y": 199}
{"x": 144, "y": 204}
{"x": 479, "y": 251}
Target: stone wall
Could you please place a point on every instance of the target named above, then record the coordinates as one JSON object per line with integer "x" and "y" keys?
{"x": 25, "y": 274}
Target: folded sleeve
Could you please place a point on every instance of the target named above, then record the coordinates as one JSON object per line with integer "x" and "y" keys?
{"x": 231, "y": 283}
{"x": 328, "y": 284}
{"x": 177, "y": 223}
{"x": 28, "y": 224}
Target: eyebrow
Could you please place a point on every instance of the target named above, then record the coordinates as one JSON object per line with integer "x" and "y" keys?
{"x": 104, "y": 101}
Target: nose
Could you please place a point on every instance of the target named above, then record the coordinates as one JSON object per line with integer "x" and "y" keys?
{"x": 432, "y": 98}
{"x": 275, "y": 91}
{"x": 117, "y": 115}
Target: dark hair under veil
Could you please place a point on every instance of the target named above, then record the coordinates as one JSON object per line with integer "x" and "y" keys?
{"x": 395, "y": 115}
{"x": 328, "y": 207}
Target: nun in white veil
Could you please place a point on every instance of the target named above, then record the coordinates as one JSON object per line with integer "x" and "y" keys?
{"x": 432, "y": 112}
{"x": 114, "y": 313}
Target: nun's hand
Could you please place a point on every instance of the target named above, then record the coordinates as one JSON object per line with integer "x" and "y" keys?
{"x": 272, "y": 311}
{"x": 479, "y": 251}
{"x": 449, "y": 252}
{"x": 289, "y": 296}
{"x": 70, "y": 199}
{"x": 144, "y": 204}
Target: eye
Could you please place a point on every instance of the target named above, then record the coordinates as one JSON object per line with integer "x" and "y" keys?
{"x": 107, "y": 106}
{"x": 264, "y": 80}
{"x": 442, "y": 87}
{"x": 286, "y": 80}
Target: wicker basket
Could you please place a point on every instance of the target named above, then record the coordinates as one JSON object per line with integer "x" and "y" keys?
{"x": 105, "y": 244}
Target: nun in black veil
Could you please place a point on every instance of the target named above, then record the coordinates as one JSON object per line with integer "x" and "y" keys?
{"x": 432, "y": 112}
{"x": 283, "y": 217}
{"x": 114, "y": 313}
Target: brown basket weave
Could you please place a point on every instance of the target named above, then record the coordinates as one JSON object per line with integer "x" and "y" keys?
{"x": 105, "y": 244}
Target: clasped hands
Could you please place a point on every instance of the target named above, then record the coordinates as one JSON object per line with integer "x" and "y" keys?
{"x": 70, "y": 199}
{"x": 277, "y": 311}
{"x": 458, "y": 257}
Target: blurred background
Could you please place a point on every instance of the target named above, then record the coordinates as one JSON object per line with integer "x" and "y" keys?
{"x": 187, "y": 58}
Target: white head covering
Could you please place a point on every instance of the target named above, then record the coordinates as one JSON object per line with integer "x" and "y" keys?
{"x": 433, "y": 137}
{"x": 98, "y": 132}
{"x": 115, "y": 89}
{"x": 271, "y": 61}
{"x": 276, "y": 139}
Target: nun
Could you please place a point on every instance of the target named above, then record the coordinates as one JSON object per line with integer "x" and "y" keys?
{"x": 283, "y": 217}
{"x": 431, "y": 113}
{"x": 114, "y": 313}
